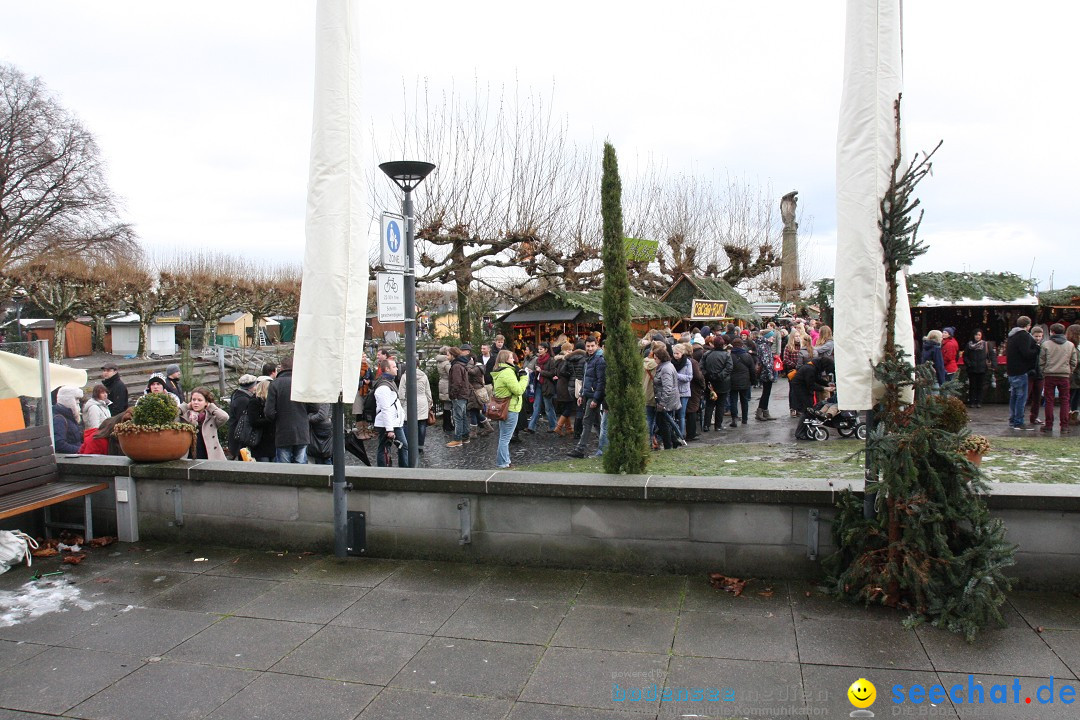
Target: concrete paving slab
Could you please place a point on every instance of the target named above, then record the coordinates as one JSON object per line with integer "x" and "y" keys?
{"x": 349, "y": 654}
{"x": 243, "y": 643}
{"x": 1010, "y": 710}
{"x": 827, "y": 687}
{"x": 1007, "y": 651}
{"x": 512, "y": 621}
{"x": 166, "y": 691}
{"x": 12, "y": 653}
{"x": 56, "y": 628}
{"x": 400, "y": 611}
{"x": 470, "y": 667}
{"x": 438, "y": 577}
{"x": 392, "y": 704}
{"x": 655, "y": 592}
{"x": 264, "y": 565}
{"x": 291, "y": 697}
{"x": 532, "y": 584}
{"x": 1056, "y": 610}
{"x": 193, "y": 559}
{"x": 60, "y": 678}
{"x": 737, "y": 636}
{"x": 131, "y": 585}
{"x": 14, "y": 715}
{"x": 1066, "y": 645}
{"x": 214, "y": 594}
{"x": 301, "y": 601}
{"x": 142, "y": 631}
{"x": 583, "y": 678}
{"x": 358, "y": 571}
{"x": 744, "y": 688}
{"x": 624, "y": 628}
{"x": 860, "y": 644}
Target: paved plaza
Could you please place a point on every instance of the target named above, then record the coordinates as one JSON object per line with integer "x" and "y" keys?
{"x": 155, "y": 631}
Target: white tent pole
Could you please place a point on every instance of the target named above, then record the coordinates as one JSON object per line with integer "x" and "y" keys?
{"x": 46, "y": 384}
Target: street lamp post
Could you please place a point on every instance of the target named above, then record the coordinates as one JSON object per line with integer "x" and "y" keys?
{"x": 407, "y": 174}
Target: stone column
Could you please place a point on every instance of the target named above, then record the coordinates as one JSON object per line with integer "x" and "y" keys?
{"x": 789, "y": 270}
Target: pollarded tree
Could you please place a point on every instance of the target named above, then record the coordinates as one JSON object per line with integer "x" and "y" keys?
{"x": 53, "y": 196}
{"x": 60, "y": 288}
{"x": 209, "y": 284}
{"x": 141, "y": 292}
{"x": 628, "y": 438}
{"x": 267, "y": 291}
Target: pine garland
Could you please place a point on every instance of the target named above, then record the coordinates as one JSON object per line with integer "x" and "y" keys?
{"x": 931, "y": 546}
{"x": 628, "y": 440}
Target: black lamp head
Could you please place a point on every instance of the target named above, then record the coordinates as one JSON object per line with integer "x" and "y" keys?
{"x": 407, "y": 174}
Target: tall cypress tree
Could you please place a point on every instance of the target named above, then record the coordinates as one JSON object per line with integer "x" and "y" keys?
{"x": 628, "y": 440}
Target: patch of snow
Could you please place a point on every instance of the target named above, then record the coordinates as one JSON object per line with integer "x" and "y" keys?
{"x": 40, "y": 597}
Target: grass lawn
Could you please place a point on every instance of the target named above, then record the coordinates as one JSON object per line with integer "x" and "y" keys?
{"x": 1033, "y": 460}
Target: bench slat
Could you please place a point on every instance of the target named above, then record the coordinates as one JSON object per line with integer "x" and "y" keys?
{"x": 44, "y": 495}
{"x": 14, "y": 462}
{"x": 31, "y": 434}
{"x": 34, "y": 449}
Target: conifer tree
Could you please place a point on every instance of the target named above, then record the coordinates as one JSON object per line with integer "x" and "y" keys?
{"x": 930, "y": 546}
{"x": 628, "y": 442}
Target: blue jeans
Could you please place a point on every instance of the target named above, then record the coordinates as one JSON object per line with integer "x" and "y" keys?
{"x": 682, "y": 414}
{"x": 506, "y": 431}
{"x": 461, "y": 419}
{"x": 298, "y": 453}
{"x": 547, "y": 404}
{"x": 650, "y": 420}
{"x": 403, "y": 450}
{"x": 602, "y": 445}
{"x": 1018, "y": 391}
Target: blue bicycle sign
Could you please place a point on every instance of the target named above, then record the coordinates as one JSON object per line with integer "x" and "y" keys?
{"x": 392, "y": 249}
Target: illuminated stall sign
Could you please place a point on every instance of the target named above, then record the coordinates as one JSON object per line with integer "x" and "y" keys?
{"x": 708, "y": 309}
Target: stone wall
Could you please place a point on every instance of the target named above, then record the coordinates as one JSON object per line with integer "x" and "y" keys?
{"x": 740, "y": 526}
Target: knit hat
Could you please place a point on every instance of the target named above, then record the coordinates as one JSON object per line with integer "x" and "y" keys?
{"x": 934, "y": 335}
{"x": 155, "y": 378}
{"x": 950, "y": 330}
{"x": 247, "y": 380}
{"x": 174, "y": 368}
{"x": 705, "y": 331}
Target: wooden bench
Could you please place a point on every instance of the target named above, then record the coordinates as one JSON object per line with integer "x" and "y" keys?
{"x": 30, "y": 480}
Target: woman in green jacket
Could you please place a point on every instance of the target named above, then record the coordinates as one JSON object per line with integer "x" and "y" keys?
{"x": 509, "y": 381}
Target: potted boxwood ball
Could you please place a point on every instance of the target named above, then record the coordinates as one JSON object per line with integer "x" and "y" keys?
{"x": 154, "y": 433}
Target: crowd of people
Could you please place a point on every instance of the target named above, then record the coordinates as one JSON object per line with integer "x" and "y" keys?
{"x": 697, "y": 382}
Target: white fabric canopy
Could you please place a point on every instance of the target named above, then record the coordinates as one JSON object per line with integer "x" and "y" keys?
{"x": 865, "y": 149}
{"x": 21, "y": 376}
{"x": 333, "y": 299}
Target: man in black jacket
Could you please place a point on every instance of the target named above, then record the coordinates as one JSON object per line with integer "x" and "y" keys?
{"x": 1021, "y": 356}
{"x": 292, "y": 429}
{"x": 717, "y": 366}
{"x": 592, "y": 395}
{"x": 118, "y": 392}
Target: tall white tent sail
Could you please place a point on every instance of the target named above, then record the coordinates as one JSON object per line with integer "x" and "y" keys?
{"x": 333, "y": 299}
{"x": 865, "y": 150}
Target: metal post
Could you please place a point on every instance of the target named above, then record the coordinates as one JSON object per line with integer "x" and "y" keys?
{"x": 221, "y": 370}
{"x": 412, "y": 431}
{"x": 45, "y": 407}
{"x": 341, "y": 504}
{"x": 869, "y": 498}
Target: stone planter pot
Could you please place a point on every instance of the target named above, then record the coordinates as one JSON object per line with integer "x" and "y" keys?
{"x": 156, "y": 445}
{"x": 975, "y": 458}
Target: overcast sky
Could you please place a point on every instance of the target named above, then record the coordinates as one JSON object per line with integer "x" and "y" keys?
{"x": 203, "y": 109}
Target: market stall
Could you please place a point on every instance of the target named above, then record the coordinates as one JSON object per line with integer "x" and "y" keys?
{"x": 713, "y": 291}
{"x": 575, "y": 314}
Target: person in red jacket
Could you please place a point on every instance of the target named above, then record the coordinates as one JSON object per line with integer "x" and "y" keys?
{"x": 950, "y": 351}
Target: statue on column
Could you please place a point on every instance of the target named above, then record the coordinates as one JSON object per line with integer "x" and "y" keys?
{"x": 790, "y": 286}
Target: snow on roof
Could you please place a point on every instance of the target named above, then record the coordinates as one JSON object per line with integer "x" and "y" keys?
{"x": 929, "y": 301}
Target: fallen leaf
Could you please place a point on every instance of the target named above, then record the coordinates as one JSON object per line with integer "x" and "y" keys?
{"x": 732, "y": 585}
{"x": 74, "y": 559}
{"x": 1039, "y": 629}
{"x": 767, "y": 593}
{"x": 44, "y": 552}
{"x": 103, "y": 580}
{"x": 103, "y": 541}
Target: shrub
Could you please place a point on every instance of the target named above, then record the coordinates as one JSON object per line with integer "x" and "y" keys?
{"x": 154, "y": 411}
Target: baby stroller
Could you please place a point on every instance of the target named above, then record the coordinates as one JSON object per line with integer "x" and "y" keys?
{"x": 817, "y": 420}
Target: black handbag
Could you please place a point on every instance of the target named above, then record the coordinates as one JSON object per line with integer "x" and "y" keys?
{"x": 245, "y": 434}
{"x": 321, "y": 445}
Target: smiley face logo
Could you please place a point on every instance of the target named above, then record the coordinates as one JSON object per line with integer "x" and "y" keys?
{"x": 862, "y": 693}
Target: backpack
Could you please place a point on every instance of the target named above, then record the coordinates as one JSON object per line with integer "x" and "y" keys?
{"x": 370, "y": 407}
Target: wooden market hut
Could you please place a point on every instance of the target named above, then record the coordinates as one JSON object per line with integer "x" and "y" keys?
{"x": 985, "y": 301}
{"x": 686, "y": 289}
{"x": 556, "y": 312}
{"x": 1059, "y": 306}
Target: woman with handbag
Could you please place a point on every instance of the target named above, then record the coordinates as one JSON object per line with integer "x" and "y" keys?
{"x": 510, "y": 383}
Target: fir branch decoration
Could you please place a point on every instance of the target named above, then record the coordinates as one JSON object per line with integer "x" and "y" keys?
{"x": 931, "y": 547}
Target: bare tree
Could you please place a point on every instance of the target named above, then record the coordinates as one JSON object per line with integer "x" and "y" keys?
{"x": 266, "y": 291}
{"x": 498, "y": 188}
{"x": 53, "y": 194}
{"x": 209, "y": 284}
{"x": 58, "y": 288}
{"x": 140, "y": 291}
